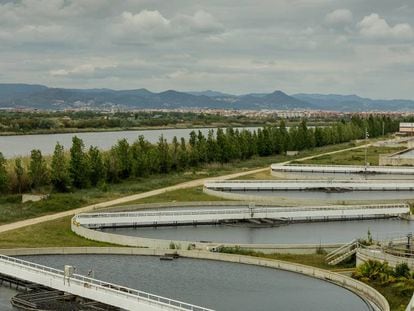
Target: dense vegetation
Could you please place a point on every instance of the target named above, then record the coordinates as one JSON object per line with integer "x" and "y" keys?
{"x": 46, "y": 122}
{"x": 89, "y": 168}
{"x": 396, "y": 284}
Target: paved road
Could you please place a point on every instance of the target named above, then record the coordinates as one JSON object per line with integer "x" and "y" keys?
{"x": 185, "y": 185}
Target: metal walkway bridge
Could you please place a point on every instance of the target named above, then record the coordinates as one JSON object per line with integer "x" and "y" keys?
{"x": 210, "y": 215}
{"x": 107, "y": 293}
{"x": 406, "y": 172}
{"x": 294, "y": 185}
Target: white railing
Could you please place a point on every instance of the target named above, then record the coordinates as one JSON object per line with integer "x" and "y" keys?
{"x": 343, "y": 168}
{"x": 258, "y": 185}
{"x": 341, "y": 249}
{"x": 89, "y": 283}
{"x": 117, "y": 219}
{"x": 243, "y": 210}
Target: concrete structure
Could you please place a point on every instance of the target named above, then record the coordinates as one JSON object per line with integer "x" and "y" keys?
{"x": 407, "y": 128}
{"x": 107, "y": 293}
{"x": 218, "y": 215}
{"x": 33, "y": 197}
{"x": 375, "y": 253}
{"x": 82, "y": 224}
{"x": 331, "y": 192}
{"x": 303, "y": 171}
{"x": 410, "y": 306}
{"x": 365, "y": 291}
{"x": 287, "y": 185}
{"x": 160, "y": 244}
{"x": 292, "y": 153}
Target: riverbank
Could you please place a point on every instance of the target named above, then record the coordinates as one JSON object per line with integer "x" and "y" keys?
{"x": 183, "y": 126}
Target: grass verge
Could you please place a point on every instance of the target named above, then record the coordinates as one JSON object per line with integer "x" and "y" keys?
{"x": 11, "y": 209}
{"x": 56, "y": 233}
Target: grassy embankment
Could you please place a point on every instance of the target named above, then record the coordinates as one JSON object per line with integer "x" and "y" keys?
{"x": 12, "y": 210}
{"x": 352, "y": 157}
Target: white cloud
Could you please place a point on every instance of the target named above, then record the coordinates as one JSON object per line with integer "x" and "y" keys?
{"x": 339, "y": 17}
{"x": 83, "y": 70}
{"x": 201, "y": 21}
{"x": 152, "y": 25}
{"x": 374, "y": 26}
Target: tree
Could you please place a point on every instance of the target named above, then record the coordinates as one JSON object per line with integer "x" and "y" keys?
{"x": 140, "y": 157}
{"x": 284, "y": 137}
{"x": 183, "y": 154}
{"x": 212, "y": 149}
{"x": 175, "y": 165}
{"x": 3, "y": 174}
{"x": 222, "y": 147}
{"x": 121, "y": 150}
{"x": 78, "y": 164}
{"x": 96, "y": 166}
{"x": 59, "y": 170}
{"x": 163, "y": 155}
{"x": 19, "y": 171}
{"x": 194, "y": 157}
{"x": 38, "y": 172}
{"x": 111, "y": 166}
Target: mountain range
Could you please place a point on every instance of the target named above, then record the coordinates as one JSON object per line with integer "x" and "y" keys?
{"x": 43, "y": 97}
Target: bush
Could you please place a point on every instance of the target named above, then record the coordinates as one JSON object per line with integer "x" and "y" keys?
{"x": 402, "y": 270}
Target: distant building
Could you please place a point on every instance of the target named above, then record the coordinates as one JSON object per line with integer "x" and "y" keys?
{"x": 407, "y": 127}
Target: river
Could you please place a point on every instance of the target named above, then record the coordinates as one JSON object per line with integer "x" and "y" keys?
{"x": 21, "y": 145}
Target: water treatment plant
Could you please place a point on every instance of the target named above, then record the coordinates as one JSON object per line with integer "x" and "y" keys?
{"x": 169, "y": 256}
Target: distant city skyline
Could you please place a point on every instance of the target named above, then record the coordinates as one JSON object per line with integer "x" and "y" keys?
{"x": 297, "y": 46}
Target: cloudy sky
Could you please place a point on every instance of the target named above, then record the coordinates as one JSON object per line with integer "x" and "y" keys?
{"x": 363, "y": 47}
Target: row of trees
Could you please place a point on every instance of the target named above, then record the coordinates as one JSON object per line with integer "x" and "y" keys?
{"x": 60, "y": 121}
{"x": 81, "y": 168}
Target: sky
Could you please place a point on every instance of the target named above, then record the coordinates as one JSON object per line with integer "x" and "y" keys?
{"x": 363, "y": 47}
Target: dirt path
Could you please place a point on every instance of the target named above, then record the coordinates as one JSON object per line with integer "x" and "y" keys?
{"x": 185, "y": 185}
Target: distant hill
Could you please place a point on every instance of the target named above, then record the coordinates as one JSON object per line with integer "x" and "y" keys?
{"x": 43, "y": 97}
{"x": 284, "y": 101}
{"x": 210, "y": 93}
{"x": 355, "y": 103}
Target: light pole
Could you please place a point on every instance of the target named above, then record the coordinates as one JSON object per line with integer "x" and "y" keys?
{"x": 366, "y": 149}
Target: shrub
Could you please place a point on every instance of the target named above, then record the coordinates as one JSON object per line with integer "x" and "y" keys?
{"x": 402, "y": 270}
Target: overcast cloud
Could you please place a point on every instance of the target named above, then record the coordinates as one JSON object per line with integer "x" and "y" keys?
{"x": 363, "y": 47}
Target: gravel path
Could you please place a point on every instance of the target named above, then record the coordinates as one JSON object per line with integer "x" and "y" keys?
{"x": 184, "y": 185}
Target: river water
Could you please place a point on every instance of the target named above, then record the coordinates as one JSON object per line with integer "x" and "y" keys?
{"x": 298, "y": 233}
{"x": 21, "y": 145}
{"x": 218, "y": 285}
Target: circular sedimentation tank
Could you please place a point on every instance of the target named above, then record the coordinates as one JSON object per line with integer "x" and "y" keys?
{"x": 217, "y": 285}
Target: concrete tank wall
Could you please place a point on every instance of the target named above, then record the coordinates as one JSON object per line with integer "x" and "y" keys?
{"x": 344, "y": 281}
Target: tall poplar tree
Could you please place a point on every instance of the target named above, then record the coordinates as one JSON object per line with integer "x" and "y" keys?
{"x": 39, "y": 175}
{"x": 19, "y": 171}
{"x": 78, "y": 164}
{"x": 59, "y": 170}
{"x": 3, "y": 174}
{"x": 96, "y": 166}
